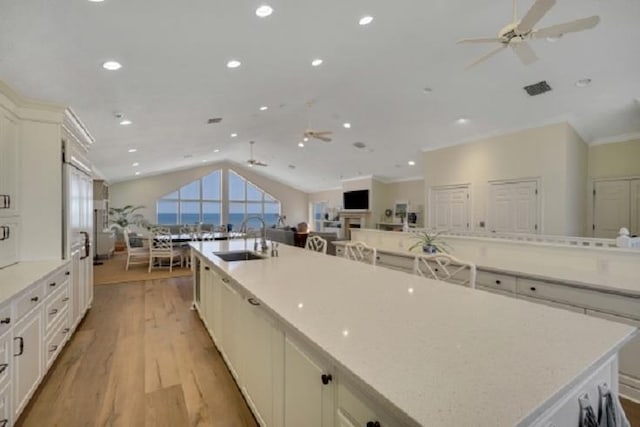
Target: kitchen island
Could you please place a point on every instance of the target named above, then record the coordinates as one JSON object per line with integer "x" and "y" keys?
{"x": 317, "y": 340}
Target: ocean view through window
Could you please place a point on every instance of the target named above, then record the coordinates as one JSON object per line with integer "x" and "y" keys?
{"x": 201, "y": 201}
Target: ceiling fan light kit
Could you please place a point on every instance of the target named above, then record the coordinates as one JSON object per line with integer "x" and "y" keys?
{"x": 516, "y": 34}
{"x": 252, "y": 161}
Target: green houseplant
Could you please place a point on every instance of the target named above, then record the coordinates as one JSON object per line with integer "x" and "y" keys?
{"x": 430, "y": 242}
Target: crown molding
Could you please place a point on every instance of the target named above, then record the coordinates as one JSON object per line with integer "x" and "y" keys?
{"x": 619, "y": 138}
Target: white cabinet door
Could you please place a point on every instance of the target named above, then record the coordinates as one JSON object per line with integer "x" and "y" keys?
{"x": 76, "y": 286}
{"x": 513, "y": 207}
{"x": 260, "y": 352}
{"x": 8, "y": 241}
{"x": 231, "y": 329}
{"x": 216, "y": 306}
{"x": 8, "y": 166}
{"x": 28, "y": 357}
{"x": 205, "y": 279}
{"x": 5, "y": 406}
{"x": 611, "y": 208}
{"x": 308, "y": 402}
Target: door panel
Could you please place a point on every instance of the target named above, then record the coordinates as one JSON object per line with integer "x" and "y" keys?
{"x": 450, "y": 208}
{"x": 303, "y": 389}
{"x": 611, "y": 208}
{"x": 513, "y": 207}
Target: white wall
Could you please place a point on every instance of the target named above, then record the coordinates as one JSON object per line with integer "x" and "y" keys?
{"x": 577, "y": 161}
{"x": 145, "y": 191}
{"x": 533, "y": 153}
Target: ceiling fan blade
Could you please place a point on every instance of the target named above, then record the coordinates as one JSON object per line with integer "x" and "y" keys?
{"x": 567, "y": 27}
{"x": 480, "y": 40}
{"x": 485, "y": 57}
{"x": 534, "y": 15}
{"x": 524, "y": 52}
{"x": 322, "y": 138}
{"x": 323, "y": 132}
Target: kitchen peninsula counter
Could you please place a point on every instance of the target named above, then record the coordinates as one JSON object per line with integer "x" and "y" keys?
{"x": 431, "y": 353}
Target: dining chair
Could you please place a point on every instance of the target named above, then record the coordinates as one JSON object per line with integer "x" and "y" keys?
{"x": 161, "y": 249}
{"x": 135, "y": 255}
{"x": 316, "y": 244}
{"x": 446, "y": 268}
{"x": 359, "y": 251}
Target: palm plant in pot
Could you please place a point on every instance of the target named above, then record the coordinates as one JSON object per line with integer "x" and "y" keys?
{"x": 430, "y": 241}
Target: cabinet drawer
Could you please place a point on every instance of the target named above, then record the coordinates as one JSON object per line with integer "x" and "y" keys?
{"x": 5, "y": 318}
{"x": 351, "y": 407}
{"x": 600, "y": 301}
{"x": 5, "y": 405}
{"x": 5, "y": 359}
{"x": 397, "y": 262}
{"x": 57, "y": 280}
{"x": 501, "y": 282}
{"x": 55, "y": 339}
{"x": 56, "y": 305}
{"x": 31, "y": 298}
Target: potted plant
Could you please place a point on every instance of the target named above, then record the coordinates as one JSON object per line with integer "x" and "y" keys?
{"x": 430, "y": 241}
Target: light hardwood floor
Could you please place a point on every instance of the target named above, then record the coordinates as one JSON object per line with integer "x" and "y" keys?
{"x": 140, "y": 357}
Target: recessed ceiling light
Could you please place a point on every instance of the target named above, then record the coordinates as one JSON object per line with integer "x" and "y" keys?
{"x": 217, "y": 150}
{"x": 112, "y": 65}
{"x": 204, "y": 161}
{"x": 346, "y": 125}
{"x": 233, "y": 135}
{"x": 292, "y": 166}
{"x": 366, "y": 20}
{"x": 305, "y": 139}
{"x": 264, "y": 11}
{"x": 316, "y": 62}
{"x": 132, "y": 150}
{"x": 462, "y": 121}
{"x": 583, "y": 82}
{"x": 137, "y": 173}
{"x": 126, "y": 122}
{"x": 96, "y": 1}
{"x": 135, "y": 164}
{"x": 427, "y": 90}
{"x": 301, "y": 144}
{"x": 234, "y": 63}
{"x": 264, "y": 108}
{"x": 411, "y": 163}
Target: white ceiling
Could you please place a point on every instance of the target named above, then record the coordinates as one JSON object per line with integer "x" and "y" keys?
{"x": 174, "y": 78}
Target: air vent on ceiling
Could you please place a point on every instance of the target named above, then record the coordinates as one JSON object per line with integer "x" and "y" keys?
{"x": 538, "y": 88}
{"x": 214, "y": 120}
{"x": 359, "y": 144}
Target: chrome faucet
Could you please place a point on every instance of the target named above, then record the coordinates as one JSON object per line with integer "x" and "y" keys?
{"x": 263, "y": 240}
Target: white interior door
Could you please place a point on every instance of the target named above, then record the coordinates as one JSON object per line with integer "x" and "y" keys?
{"x": 450, "y": 208}
{"x": 513, "y": 207}
{"x": 611, "y": 208}
{"x": 635, "y": 207}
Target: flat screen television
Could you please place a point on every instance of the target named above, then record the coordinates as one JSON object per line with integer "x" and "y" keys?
{"x": 356, "y": 199}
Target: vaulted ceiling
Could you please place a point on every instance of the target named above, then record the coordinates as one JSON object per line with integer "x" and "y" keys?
{"x": 174, "y": 78}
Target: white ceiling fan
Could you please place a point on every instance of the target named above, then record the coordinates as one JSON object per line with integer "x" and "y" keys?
{"x": 253, "y": 162}
{"x": 516, "y": 34}
{"x": 310, "y": 133}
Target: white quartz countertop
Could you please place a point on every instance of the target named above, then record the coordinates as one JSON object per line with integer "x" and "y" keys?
{"x": 576, "y": 266}
{"x": 442, "y": 354}
{"x": 16, "y": 277}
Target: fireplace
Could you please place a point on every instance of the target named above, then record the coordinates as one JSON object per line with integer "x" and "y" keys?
{"x": 353, "y": 219}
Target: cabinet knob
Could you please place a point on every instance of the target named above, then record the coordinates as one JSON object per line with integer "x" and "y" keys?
{"x": 373, "y": 424}
{"x": 252, "y": 301}
{"x": 53, "y": 348}
{"x": 65, "y": 299}
{"x": 207, "y": 268}
{"x": 225, "y": 280}
{"x": 6, "y": 320}
{"x": 53, "y": 311}
{"x": 35, "y": 299}
{"x": 52, "y": 284}
{"x": 3, "y": 367}
{"x": 532, "y": 289}
{"x": 326, "y": 378}
{"x": 67, "y": 273}
{"x": 498, "y": 282}
{"x": 65, "y": 331}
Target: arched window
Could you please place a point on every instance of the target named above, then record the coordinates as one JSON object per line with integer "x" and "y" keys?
{"x": 246, "y": 198}
{"x": 198, "y": 201}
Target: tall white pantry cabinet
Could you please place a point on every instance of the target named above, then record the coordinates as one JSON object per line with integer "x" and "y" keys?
{"x": 44, "y": 290}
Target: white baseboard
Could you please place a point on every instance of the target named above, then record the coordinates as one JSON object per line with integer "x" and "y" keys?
{"x": 629, "y": 388}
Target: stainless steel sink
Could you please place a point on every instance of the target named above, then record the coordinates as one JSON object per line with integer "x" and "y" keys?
{"x": 238, "y": 256}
